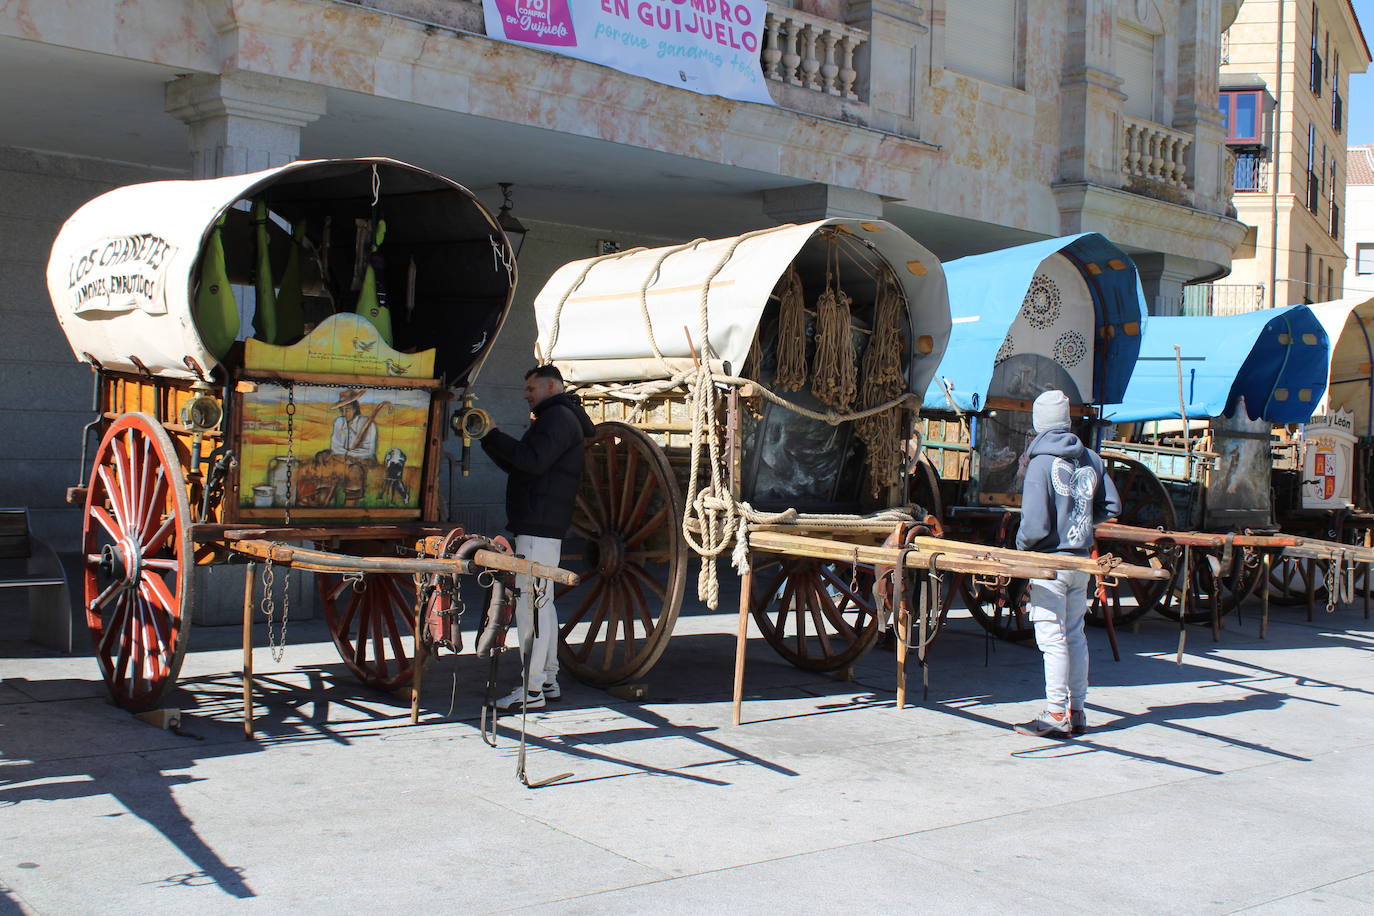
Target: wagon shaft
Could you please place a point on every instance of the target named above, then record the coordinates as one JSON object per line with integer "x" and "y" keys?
{"x": 840, "y": 551}
{"x": 324, "y": 561}
{"x": 1112, "y": 531}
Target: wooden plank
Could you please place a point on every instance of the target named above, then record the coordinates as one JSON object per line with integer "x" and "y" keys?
{"x": 246, "y": 383}
{"x": 841, "y": 552}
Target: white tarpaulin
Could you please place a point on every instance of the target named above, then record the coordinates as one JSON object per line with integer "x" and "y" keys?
{"x": 707, "y": 46}
{"x": 591, "y": 313}
{"x": 1349, "y": 324}
{"x": 121, "y": 270}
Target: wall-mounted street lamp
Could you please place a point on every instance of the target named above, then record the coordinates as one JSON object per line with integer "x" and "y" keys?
{"x": 512, "y": 227}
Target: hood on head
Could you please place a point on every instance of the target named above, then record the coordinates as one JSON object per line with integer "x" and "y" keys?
{"x": 1061, "y": 443}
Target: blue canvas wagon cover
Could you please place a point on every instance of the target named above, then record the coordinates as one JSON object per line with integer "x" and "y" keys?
{"x": 1275, "y": 358}
{"x": 986, "y": 295}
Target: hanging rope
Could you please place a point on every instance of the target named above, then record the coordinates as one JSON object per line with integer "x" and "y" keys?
{"x": 833, "y": 374}
{"x": 882, "y": 381}
{"x": 791, "y": 373}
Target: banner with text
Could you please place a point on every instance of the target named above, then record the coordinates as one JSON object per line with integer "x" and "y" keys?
{"x": 707, "y": 46}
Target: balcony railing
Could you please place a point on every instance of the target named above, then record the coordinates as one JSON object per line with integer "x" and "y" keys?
{"x": 1222, "y": 298}
{"x": 1251, "y": 172}
{"x": 807, "y": 51}
{"x": 1153, "y": 152}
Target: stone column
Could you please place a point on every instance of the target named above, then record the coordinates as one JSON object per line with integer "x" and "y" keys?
{"x": 244, "y": 122}
{"x": 241, "y": 121}
{"x": 1195, "y": 111}
{"x": 1090, "y": 97}
{"x": 1162, "y": 277}
{"x": 808, "y": 202}
{"x": 895, "y": 61}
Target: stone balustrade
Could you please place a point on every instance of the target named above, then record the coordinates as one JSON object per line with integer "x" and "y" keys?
{"x": 1153, "y": 152}
{"x": 807, "y": 51}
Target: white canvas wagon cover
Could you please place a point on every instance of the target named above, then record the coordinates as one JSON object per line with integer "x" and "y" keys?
{"x": 597, "y": 316}
{"x": 122, "y": 268}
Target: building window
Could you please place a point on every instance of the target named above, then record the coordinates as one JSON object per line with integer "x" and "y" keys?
{"x": 1134, "y": 52}
{"x": 1331, "y": 283}
{"x": 1313, "y": 177}
{"x": 1307, "y": 274}
{"x": 1321, "y": 275}
{"x": 1364, "y": 258}
{"x": 1314, "y": 81}
{"x": 981, "y": 39}
{"x": 1242, "y": 114}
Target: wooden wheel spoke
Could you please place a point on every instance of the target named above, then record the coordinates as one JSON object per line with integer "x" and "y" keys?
{"x": 600, "y": 516}
{"x": 582, "y": 607}
{"x": 116, "y": 499}
{"x": 113, "y": 624}
{"x": 864, "y": 605}
{"x": 642, "y": 574}
{"x": 835, "y": 615}
{"x": 153, "y": 542}
{"x": 119, "y": 483}
{"x": 646, "y": 496}
{"x": 589, "y": 638}
{"x": 158, "y": 592}
{"x": 100, "y": 599}
{"x": 581, "y": 502}
{"x": 822, "y": 632}
{"x": 612, "y": 482}
{"x": 784, "y": 606}
{"x": 627, "y": 485}
{"x": 800, "y": 612}
{"x": 652, "y": 525}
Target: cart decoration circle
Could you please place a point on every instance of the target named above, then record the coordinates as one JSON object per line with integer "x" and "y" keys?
{"x": 1070, "y": 349}
{"x": 1042, "y": 303}
{"x": 1006, "y": 351}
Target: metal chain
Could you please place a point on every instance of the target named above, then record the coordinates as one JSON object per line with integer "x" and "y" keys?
{"x": 276, "y": 634}
{"x": 290, "y": 446}
{"x": 1338, "y": 591}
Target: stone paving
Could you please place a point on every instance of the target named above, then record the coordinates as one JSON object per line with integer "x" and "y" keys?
{"x": 1237, "y": 781}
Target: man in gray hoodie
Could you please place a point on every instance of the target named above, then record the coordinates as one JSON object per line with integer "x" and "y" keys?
{"x": 1064, "y": 496}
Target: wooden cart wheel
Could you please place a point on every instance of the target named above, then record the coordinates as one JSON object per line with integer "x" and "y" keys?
{"x": 818, "y": 615}
{"x": 137, "y": 560}
{"x": 627, "y": 545}
{"x": 1205, "y": 581}
{"x": 923, "y": 489}
{"x": 1145, "y": 504}
{"x": 372, "y": 620}
{"x": 1290, "y": 577}
{"x": 1000, "y": 610}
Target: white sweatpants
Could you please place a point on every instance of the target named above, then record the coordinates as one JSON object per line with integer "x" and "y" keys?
{"x": 1057, "y": 607}
{"x": 542, "y": 649}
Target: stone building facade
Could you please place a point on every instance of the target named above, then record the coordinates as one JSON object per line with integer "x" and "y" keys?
{"x": 1285, "y": 94}
{"x": 972, "y": 125}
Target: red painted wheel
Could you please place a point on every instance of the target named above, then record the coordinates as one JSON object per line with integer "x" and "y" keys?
{"x": 626, "y": 544}
{"x": 137, "y": 559}
{"x": 372, "y": 620}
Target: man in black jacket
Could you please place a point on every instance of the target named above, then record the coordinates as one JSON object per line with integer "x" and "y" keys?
{"x": 544, "y": 468}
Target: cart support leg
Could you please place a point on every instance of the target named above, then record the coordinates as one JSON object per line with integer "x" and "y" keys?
{"x": 248, "y": 582}
{"x": 421, "y": 658}
{"x": 1264, "y": 594}
{"x": 1311, "y": 588}
{"x": 1186, "y": 572}
{"x": 903, "y": 640}
{"x": 741, "y": 637}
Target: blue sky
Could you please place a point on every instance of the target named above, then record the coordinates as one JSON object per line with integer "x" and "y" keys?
{"x": 1362, "y": 84}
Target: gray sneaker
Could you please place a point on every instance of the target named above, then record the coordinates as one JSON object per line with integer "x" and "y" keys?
{"x": 552, "y": 691}
{"x": 1078, "y": 722}
{"x": 1046, "y": 726}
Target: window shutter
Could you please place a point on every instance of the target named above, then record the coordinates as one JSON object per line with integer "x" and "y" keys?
{"x": 1135, "y": 63}
{"x": 980, "y": 39}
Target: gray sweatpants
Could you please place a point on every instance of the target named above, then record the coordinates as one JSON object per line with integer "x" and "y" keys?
{"x": 1057, "y": 607}
{"x": 543, "y": 649}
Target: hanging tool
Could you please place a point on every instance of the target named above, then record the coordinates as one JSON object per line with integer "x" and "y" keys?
{"x": 471, "y": 423}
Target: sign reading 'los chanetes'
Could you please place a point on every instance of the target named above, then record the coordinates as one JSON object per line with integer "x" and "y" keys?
{"x": 120, "y": 274}
{"x": 707, "y": 46}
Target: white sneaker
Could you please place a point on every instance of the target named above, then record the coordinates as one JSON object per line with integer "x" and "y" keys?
{"x": 533, "y": 699}
{"x": 552, "y": 691}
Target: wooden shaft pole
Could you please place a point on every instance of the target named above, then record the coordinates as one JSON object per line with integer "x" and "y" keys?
{"x": 417, "y": 671}
{"x": 248, "y": 583}
{"x": 1264, "y": 594}
{"x": 741, "y": 638}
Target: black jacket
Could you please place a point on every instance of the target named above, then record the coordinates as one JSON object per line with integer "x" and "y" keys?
{"x": 545, "y": 466}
